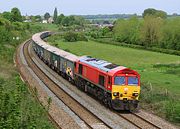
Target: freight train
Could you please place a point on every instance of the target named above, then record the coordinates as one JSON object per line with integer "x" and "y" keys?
{"x": 116, "y": 86}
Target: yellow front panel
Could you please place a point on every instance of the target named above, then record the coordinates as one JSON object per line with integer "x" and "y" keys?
{"x": 125, "y": 91}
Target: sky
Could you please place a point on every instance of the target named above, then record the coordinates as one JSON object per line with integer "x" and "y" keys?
{"x": 82, "y": 7}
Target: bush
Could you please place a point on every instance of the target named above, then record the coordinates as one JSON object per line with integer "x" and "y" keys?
{"x": 70, "y": 36}
{"x": 74, "y": 36}
{"x": 172, "y": 111}
{"x": 81, "y": 37}
{"x": 158, "y": 100}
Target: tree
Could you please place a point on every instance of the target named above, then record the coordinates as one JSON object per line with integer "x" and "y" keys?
{"x": 71, "y": 20}
{"x": 151, "y": 31}
{"x": 65, "y": 21}
{"x": 46, "y": 16}
{"x": 127, "y": 30}
{"x": 6, "y": 23}
{"x": 7, "y": 15}
{"x": 16, "y": 15}
{"x": 60, "y": 18}
{"x": 155, "y": 13}
{"x": 79, "y": 20}
{"x": 106, "y": 22}
{"x": 38, "y": 18}
{"x": 105, "y": 31}
{"x": 70, "y": 36}
{"x": 171, "y": 34}
{"x": 55, "y": 16}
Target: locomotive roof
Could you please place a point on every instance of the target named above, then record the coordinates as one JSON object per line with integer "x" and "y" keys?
{"x": 37, "y": 39}
{"x": 101, "y": 64}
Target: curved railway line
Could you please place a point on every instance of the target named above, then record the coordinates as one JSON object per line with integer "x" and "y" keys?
{"x": 90, "y": 119}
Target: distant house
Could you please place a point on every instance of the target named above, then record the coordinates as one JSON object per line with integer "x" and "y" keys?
{"x": 94, "y": 25}
{"x": 44, "y": 21}
{"x": 110, "y": 26}
{"x": 27, "y": 20}
{"x": 50, "y": 20}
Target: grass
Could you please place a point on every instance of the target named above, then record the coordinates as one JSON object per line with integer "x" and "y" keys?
{"x": 159, "y": 73}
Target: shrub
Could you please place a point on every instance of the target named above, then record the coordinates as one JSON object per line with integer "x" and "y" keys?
{"x": 74, "y": 36}
{"x": 81, "y": 37}
{"x": 70, "y": 36}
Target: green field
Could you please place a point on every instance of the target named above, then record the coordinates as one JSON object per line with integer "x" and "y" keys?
{"x": 160, "y": 73}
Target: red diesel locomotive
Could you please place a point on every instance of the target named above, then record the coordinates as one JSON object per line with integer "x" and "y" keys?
{"x": 116, "y": 86}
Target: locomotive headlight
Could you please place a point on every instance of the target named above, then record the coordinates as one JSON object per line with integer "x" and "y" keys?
{"x": 116, "y": 93}
{"x": 135, "y": 94}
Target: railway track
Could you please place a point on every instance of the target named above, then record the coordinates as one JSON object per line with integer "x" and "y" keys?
{"x": 90, "y": 120}
{"x": 138, "y": 121}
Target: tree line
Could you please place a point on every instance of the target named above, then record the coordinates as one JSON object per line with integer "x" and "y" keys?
{"x": 149, "y": 32}
{"x": 155, "y": 29}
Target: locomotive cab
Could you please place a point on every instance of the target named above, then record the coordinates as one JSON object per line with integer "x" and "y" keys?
{"x": 125, "y": 89}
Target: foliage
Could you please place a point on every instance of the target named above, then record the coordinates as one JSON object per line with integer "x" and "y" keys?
{"x": 70, "y": 36}
{"x": 151, "y": 31}
{"x": 16, "y": 112}
{"x": 36, "y": 18}
{"x": 161, "y": 102}
{"x": 127, "y": 30}
{"x": 70, "y": 20}
{"x": 66, "y": 21}
{"x": 4, "y": 22}
{"x": 60, "y": 18}
{"x": 55, "y": 15}
{"x": 18, "y": 108}
{"x": 4, "y": 35}
{"x": 105, "y": 32}
{"x": 47, "y": 16}
{"x": 155, "y": 49}
{"x": 155, "y": 13}
{"x": 81, "y": 37}
{"x": 74, "y": 36}
{"x": 16, "y": 15}
{"x": 7, "y": 15}
{"x": 171, "y": 34}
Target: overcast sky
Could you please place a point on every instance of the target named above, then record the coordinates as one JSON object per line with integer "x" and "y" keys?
{"x": 68, "y": 7}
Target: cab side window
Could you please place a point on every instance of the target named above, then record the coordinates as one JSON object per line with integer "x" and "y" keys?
{"x": 80, "y": 69}
{"x": 101, "y": 80}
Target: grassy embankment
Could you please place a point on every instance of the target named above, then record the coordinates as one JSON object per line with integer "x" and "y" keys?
{"x": 18, "y": 107}
{"x": 159, "y": 73}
